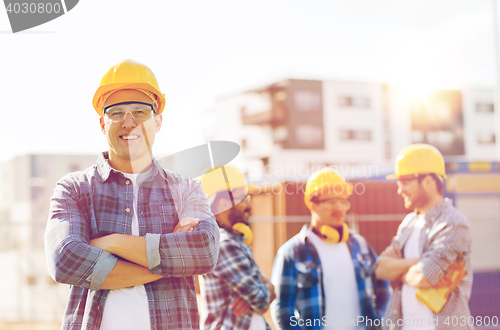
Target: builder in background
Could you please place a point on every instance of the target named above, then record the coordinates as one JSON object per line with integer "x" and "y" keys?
{"x": 428, "y": 241}
{"x": 127, "y": 235}
{"x": 235, "y": 294}
{"x": 323, "y": 275}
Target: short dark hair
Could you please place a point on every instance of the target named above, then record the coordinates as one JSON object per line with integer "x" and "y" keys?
{"x": 438, "y": 180}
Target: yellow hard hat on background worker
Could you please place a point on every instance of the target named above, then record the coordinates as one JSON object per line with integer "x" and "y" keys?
{"x": 418, "y": 159}
{"x": 324, "y": 181}
{"x": 227, "y": 180}
{"x": 330, "y": 183}
{"x": 129, "y": 74}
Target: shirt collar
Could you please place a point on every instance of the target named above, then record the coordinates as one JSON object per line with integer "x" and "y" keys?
{"x": 436, "y": 211}
{"x": 232, "y": 234}
{"x": 104, "y": 169}
{"x": 303, "y": 233}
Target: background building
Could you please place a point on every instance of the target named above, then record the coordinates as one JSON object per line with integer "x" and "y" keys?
{"x": 306, "y": 123}
{"x": 28, "y": 293}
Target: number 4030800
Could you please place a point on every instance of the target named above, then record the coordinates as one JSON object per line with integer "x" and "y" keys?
{"x": 33, "y": 8}
{"x": 471, "y": 321}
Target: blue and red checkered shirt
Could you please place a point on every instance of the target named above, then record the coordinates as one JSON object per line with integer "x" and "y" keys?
{"x": 236, "y": 274}
{"x": 298, "y": 282}
{"x": 98, "y": 202}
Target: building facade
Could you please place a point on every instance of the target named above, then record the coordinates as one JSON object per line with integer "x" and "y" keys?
{"x": 288, "y": 128}
{"x": 28, "y": 293}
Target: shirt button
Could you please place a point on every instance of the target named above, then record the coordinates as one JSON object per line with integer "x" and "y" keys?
{"x": 128, "y": 182}
{"x": 127, "y": 210}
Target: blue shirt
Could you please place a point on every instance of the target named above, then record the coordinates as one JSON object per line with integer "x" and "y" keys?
{"x": 98, "y": 202}
{"x": 298, "y": 281}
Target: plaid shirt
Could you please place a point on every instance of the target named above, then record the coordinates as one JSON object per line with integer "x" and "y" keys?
{"x": 445, "y": 237}
{"x": 98, "y": 202}
{"x": 236, "y": 274}
{"x": 298, "y": 280}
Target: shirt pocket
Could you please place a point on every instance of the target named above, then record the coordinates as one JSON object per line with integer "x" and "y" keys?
{"x": 168, "y": 218}
{"x": 307, "y": 275}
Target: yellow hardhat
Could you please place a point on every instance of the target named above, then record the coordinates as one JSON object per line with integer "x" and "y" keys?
{"x": 419, "y": 158}
{"x": 326, "y": 181}
{"x": 223, "y": 178}
{"x": 129, "y": 74}
{"x": 226, "y": 178}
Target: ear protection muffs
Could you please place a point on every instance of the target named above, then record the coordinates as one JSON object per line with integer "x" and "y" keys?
{"x": 333, "y": 236}
{"x": 246, "y": 231}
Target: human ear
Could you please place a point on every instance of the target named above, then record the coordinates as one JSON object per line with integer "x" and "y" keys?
{"x": 158, "y": 122}
{"x": 103, "y": 125}
{"x": 427, "y": 182}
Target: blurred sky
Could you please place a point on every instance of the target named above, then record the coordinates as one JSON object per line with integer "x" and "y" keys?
{"x": 201, "y": 50}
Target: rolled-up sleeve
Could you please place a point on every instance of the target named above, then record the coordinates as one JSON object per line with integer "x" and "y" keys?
{"x": 70, "y": 258}
{"x": 186, "y": 253}
{"x": 452, "y": 240}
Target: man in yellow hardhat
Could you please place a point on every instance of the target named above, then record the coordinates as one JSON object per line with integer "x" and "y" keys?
{"x": 429, "y": 240}
{"x": 127, "y": 235}
{"x": 323, "y": 275}
{"x": 235, "y": 294}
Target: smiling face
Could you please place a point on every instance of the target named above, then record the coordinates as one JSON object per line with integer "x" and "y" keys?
{"x": 328, "y": 209}
{"x": 130, "y": 140}
{"x": 413, "y": 193}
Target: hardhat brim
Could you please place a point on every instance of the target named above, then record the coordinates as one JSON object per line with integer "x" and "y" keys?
{"x": 396, "y": 177}
{"x": 349, "y": 188}
{"x": 118, "y": 86}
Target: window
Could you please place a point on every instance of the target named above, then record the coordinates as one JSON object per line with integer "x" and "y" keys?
{"x": 355, "y": 135}
{"x": 442, "y": 138}
{"x": 280, "y": 133}
{"x": 484, "y": 107}
{"x": 442, "y": 111}
{"x": 354, "y": 102}
{"x": 485, "y": 138}
{"x": 307, "y": 101}
{"x": 309, "y": 135}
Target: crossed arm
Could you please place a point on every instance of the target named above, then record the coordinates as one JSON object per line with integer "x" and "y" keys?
{"x": 118, "y": 261}
{"x": 251, "y": 290}
{"x": 132, "y": 269}
{"x": 240, "y": 307}
{"x": 393, "y": 267}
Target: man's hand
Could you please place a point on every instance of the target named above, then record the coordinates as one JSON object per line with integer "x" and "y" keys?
{"x": 240, "y": 307}
{"x": 270, "y": 287}
{"x": 415, "y": 278}
{"x": 104, "y": 242}
{"x": 392, "y": 265}
{"x": 186, "y": 225}
{"x": 393, "y": 251}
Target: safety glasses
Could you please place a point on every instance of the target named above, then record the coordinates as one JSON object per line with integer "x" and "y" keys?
{"x": 333, "y": 202}
{"x": 116, "y": 114}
